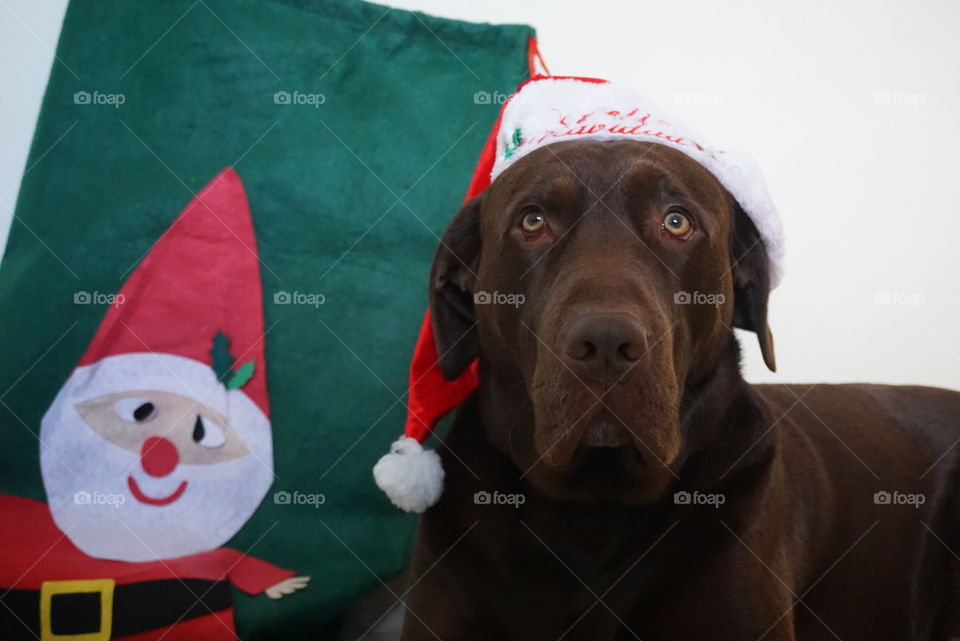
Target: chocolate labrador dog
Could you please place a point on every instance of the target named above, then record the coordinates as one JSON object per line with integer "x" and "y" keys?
{"x": 614, "y": 477}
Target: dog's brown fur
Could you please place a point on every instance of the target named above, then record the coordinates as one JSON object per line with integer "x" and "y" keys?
{"x": 599, "y": 445}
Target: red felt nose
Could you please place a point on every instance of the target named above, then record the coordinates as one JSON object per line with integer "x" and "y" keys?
{"x": 158, "y": 456}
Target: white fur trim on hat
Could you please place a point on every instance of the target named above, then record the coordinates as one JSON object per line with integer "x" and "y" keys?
{"x": 411, "y": 476}
{"x": 551, "y": 110}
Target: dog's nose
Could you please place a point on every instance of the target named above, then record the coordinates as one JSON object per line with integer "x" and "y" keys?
{"x": 604, "y": 345}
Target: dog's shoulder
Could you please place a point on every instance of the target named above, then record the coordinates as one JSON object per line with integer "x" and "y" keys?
{"x": 931, "y": 412}
{"x": 867, "y": 417}
{"x": 908, "y": 404}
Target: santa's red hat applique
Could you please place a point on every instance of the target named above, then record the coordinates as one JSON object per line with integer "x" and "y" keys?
{"x": 543, "y": 111}
{"x": 167, "y": 412}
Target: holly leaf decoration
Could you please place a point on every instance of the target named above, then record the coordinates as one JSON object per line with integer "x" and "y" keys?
{"x": 221, "y": 360}
{"x": 241, "y": 376}
{"x": 515, "y": 141}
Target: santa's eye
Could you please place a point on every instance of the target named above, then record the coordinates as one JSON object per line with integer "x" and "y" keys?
{"x": 135, "y": 410}
{"x": 207, "y": 434}
{"x": 145, "y": 412}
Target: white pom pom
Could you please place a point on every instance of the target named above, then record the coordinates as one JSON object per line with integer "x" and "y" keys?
{"x": 411, "y": 476}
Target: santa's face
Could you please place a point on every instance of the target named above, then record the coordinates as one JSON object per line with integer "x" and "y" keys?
{"x": 146, "y": 474}
{"x": 164, "y": 430}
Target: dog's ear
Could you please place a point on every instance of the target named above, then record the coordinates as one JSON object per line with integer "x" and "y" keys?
{"x": 751, "y": 282}
{"x": 452, "y": 280}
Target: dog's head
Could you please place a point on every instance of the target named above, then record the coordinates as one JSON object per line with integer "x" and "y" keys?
{"x": 598, "y": 282}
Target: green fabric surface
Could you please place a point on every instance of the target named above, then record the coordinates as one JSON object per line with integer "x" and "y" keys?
{"x": 198, "y": 80}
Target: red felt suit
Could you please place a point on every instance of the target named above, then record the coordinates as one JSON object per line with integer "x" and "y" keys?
{"x": 155, "y": 451}
{"x": 36, "y": 551}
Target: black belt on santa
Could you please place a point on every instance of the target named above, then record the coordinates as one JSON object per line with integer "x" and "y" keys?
{"x": 105, "y": 610}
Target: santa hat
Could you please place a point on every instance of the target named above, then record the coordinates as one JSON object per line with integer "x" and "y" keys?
{"x": 546, "y": 110}
{"x": 189, "y": 319}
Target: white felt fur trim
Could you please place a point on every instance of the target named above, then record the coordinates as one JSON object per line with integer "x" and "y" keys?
{"x": 411, "y": 476}
{"x": 555, "y": 110}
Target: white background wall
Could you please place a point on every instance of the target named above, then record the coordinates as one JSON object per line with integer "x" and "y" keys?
{"x": 851, "y": 108}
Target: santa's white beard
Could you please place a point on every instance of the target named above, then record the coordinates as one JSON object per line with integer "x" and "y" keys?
{"x": 86, "y": 479}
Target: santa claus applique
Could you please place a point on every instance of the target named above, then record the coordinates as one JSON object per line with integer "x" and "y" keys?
{"x": 155, "y": 451}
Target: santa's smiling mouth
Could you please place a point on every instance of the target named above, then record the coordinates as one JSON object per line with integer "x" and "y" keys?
{"x": 149, "y": 500}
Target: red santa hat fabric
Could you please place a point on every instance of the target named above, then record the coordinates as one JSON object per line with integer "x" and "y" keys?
{"x": 188, "y": 322}
{"x": 201, "y": 278}
{"x": 546, "y": 110}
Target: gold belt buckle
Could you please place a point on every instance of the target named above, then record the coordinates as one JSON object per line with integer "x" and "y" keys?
{"x": 103, "y": 587}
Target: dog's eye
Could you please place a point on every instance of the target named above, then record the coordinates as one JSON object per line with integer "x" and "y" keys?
{"x": 532, "y": 222}
{"x": 677, "y": 224}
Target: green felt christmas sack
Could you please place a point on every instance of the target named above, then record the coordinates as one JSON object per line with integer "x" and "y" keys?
{"x": 212, "y": 284}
